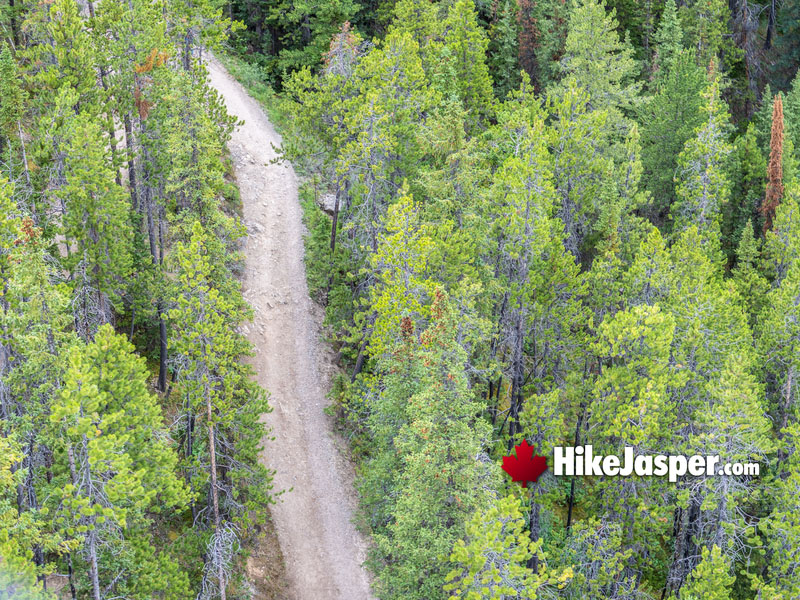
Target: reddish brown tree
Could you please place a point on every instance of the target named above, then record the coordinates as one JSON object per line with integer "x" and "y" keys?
{"x": 775, "y": 166}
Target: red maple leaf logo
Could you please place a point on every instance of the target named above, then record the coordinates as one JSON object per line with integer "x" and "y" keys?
{"x": 524, "y": 467}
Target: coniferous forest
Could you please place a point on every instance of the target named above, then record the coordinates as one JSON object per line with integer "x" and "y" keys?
{"x": 558, "y": 222}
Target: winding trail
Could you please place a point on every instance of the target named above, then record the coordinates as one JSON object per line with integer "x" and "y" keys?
{"x": 322, "y": 549}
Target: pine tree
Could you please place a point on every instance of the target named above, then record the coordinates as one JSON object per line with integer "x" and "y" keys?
{"x": 116, "y": 462}
{"x": 596, "y": 60}
{"x": 304, "y": 31}
{"x": 749, "y": 281}
{"x": 492, "y": 560}
{"x": 781, "y": 246}
{"x": 218, "y": 395}
{"x": 579, "y": 144}
{"x": 631, "y": 407}
{"x": 543, "y": 33}
{"x": 402, "y": 290}
{"x": 12, "y": 99}
{"x": 747, "y": 176}
{"x": 781, "y": 529}
{"x": 96, "y": 226}
{"x": 711, "y": 579}
{"x": 461, "y": 63}
{"x": 441, "y": 483}
{"x": 774, "y": 191}
{"x": 706, "y": 26}
{"x": 18, "y": 574}
{"x": 780, "y": 342}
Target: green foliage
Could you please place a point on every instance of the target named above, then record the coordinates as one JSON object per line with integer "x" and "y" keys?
{"x": 668, "y": 40}
{"x": 703, "y": 186}
{"x": 439, "y": 483}
{"x": 711, "y": 579}
{"x": 596, "y": 60}
{"x": 585, "y": 265}
{"x": 116, "y": 463}
{"x": 493, "y": 562}
{"x": 503, "y": 50}
{"x": 13, "y": 97}
{"x": 461, "y": 69}
{"x": 668, "y": 121}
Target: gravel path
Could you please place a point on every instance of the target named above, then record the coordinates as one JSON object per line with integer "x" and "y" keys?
{"x": 322, "y": 549}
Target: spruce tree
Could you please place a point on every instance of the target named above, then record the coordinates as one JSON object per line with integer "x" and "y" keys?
{"x": 503, "y": 50}
{"x": 668, "y": 121}
{"x": 461, "y": 68}
{"x": 668, "y": 40}
{"x": 748, "y": 177}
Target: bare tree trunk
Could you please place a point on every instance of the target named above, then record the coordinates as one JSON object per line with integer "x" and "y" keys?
{"x": 571, "y": 498}
{"x": 535, "y": 527}
{"x": 13, "y": 21}
{"x": 214, "y": 494}
{"x": 92, "y": 542}
{"x": 517, "y": 379}
{"x": 126, "y": 119}
{"x": 333, "y": 243}
{"x": 156, "y": 254}
{"x": 71, "y": 576}
{"x": 188, "y": 453}
{"x": 787, "y": 397}
{"x": 770, "y": 26}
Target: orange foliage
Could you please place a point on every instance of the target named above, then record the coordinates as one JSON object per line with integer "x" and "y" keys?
{"x": 775, "y": 166}
{"x": 155, "y": 59}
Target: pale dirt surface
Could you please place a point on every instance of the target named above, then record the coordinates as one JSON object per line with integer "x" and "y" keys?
{"x": 322, "y": 549}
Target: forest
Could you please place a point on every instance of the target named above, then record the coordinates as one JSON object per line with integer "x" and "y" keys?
{"x": 129, "y": 425}
{"x": 558, "y": 222}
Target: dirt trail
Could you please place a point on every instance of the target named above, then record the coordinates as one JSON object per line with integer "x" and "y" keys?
{"x": 322, "y": 549}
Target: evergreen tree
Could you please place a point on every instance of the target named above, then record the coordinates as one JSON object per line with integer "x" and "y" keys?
{"x": 668, "y": 121}
{"x": 503, "y": 50}
{"x": 115, "y": 460}
{"x": 748, "y": 279}
{"x": 12, "y": 99}
{"x": 96, "y": 227}
{"x": 461, "y": 68}
{"x": 711, "y": 579}
{"x": 781, "y": 529}
{"x": 543, "y": 32}
{"x": 218, "y": 395}
{"x": 441, "y": 482}
{"x": 779, "y": 344}
{"x": 18, "y": 574}
{"x": 702, "y": 171}
{"x": 596, "y": 60}
{"x": 304, "y": 31}
{"x": 747, "y": 176}
{"x": 706, "y": 27}
{"x": 774, "y": 191}
{"x": 492, "y": 561}
{"x": 668, "y": 40}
